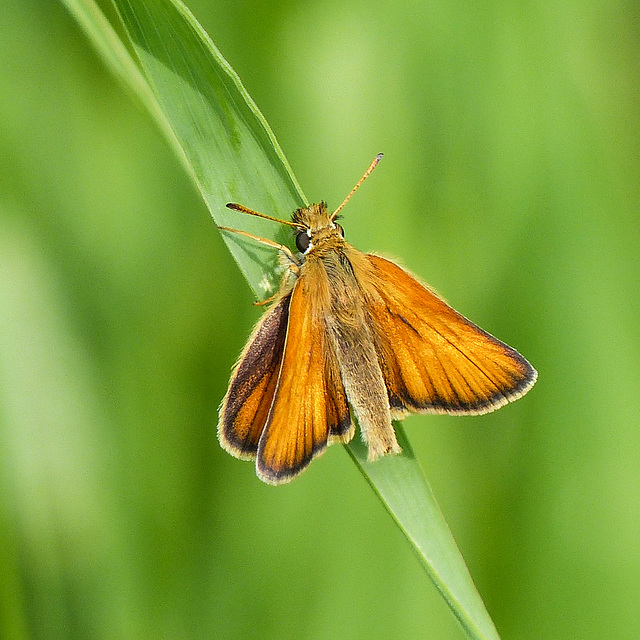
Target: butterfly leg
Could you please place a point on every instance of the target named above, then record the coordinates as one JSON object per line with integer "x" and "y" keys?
{"x": 270, "y": 243}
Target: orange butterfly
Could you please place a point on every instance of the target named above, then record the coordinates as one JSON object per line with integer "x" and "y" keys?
{"x": 350, "y": 331}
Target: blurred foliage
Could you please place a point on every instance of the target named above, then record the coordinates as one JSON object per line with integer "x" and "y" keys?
{"x": 510, "y": 183}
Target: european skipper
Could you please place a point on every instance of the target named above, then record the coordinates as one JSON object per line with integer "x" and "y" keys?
{"x": 351, "y": 331}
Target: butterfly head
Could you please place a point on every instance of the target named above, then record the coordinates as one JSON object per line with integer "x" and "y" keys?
{"x": 316, "y": 229}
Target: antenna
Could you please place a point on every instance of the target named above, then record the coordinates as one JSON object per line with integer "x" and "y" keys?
{"x": 372, "y": 166}
{"x": 251, "y": 212}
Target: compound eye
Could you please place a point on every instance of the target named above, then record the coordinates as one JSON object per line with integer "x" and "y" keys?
{"x": 303, "y": 241}
{"x": 340, "y": 229}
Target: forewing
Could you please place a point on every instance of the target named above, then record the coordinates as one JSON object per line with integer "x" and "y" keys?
{"x": 309, "y": 407}
{"x": 433, "y": 359}
{"x": 244, "y": 410}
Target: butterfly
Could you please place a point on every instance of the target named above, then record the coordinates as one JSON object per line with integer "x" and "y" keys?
{"x": 352, "y": 333}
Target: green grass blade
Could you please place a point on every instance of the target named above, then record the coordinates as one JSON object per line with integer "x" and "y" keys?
{"x": 224, "y": 140}
{"x": 109, "y": 46}
{"x": 403, "y": 488}
{"x": 229, "y": 149}
{"x": 117, "y": 58}
{"x": 233, "y": 156}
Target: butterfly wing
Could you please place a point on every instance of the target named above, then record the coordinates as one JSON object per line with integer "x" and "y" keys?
{"x": 309, "y": 408}
{"x": 244, "y": 410}
{"x": 433, "y": 359}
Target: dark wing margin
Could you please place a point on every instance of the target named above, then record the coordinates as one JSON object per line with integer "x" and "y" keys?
{"x": 244, "y": 409}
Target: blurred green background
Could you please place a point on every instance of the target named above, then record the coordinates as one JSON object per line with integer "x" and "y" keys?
{"x": 511, "y": 183}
